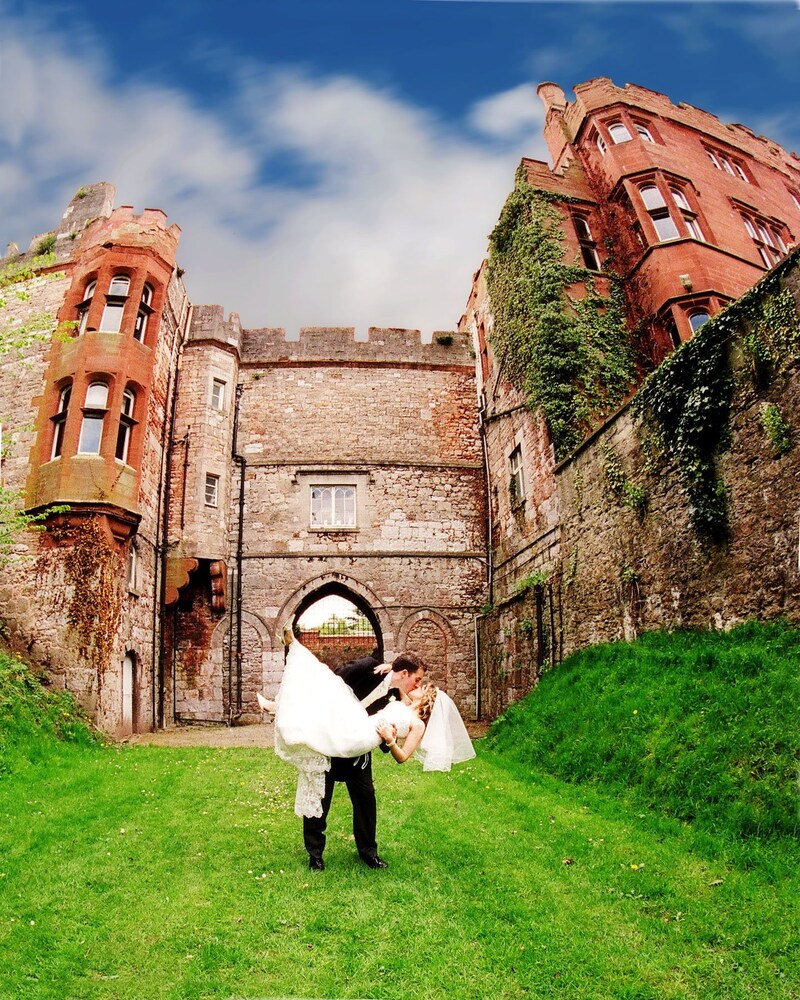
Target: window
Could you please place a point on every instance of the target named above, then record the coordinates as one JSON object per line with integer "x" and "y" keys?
{"x": 796, "y": 199}
{"x": 212, "y": 490}
{"x": 94, "y": 412}
{"x": 333, "y": 506}
{"x": 619, "y": 132}
{"x": 600, "y": 142}
{"x": 60, "y": 421}
{"x": 728, "y": 164}
{"x": 126, "y": 423}
{"x": 689, "y": 217}
{"x": 659, "y": 213}
{"x": 516, "y": 484}
{"x": 83, "y": 308}
{"x": 672, "y": 332}
{"x": 697, "y": 318}
{"x": 115, "y": 304}
{"x": 586, "y": 243}
{"x": 132, "y": 567}
{"x": 767, "y": 237}
{"x": 643, "y": 132}
{"x": 140, "y": 327}
{"x": 218, "y": 394}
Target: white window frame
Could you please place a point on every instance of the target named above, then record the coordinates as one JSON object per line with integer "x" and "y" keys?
{"x": 701, "y": 315}
{"x": 643, "y": 132}
{"x": 133, "y": 567}
{"x": 586, "y": 242}
{"x": 618, "y": 128}
{"x": 335, "y": 517}
{"x": 60, "y": 421}
{"x": 218, "y": 393}
{"x": 212, "y": 490}
{"x": 516, "y": 475}
{"x": 767, "y": 238}
{"x": 126, "y": 423}
{"x": 659, "y": 213}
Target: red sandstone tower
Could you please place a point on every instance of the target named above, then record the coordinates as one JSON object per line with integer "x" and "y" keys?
{"x": 675, "y": 211}
{"x": 694, "y": 211}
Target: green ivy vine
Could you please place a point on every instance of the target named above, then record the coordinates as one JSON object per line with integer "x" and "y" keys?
{"x": 686, "y": 401}
{"x": 570, "y": 356}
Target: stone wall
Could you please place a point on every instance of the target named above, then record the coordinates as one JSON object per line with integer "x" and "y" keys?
{"x": 624, "y": 574}
{"x": 391, "y": 419}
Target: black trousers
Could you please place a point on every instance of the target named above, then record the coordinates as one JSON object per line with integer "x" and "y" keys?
{"x": 356, "y": 773}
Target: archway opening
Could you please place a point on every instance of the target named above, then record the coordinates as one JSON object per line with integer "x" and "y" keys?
{"x": 338, "y": 626}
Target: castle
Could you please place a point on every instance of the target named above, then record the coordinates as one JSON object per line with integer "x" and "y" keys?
{"x": 485, "y": 499}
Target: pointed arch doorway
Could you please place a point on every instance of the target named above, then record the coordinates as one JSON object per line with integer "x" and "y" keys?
{"x": 338, "y": 625}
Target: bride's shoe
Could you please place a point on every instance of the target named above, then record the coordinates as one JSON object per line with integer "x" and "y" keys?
{"x": 265, "y": 704}
{"x": 288, "y": 633}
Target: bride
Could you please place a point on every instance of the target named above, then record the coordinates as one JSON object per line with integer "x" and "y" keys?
{"x": 317, "y": 716}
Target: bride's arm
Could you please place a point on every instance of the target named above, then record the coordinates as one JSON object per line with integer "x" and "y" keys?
{"x": 410, "y": 744}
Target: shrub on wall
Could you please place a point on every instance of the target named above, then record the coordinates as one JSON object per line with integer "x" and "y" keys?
{"x": 570, "y": 356}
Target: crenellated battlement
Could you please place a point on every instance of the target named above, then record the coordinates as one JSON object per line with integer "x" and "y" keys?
{"x": 315, "y": 344}
{"x": 602, "y": 92}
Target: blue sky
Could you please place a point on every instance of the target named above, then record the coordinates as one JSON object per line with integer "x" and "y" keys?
{"x": 341, "y": 162}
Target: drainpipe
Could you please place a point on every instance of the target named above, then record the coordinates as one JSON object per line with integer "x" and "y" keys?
{"x": 487, "y": 480}
{"x": 489, "y": 549}
{"x": 242, "y": 463}
{"x": 478, "y": 706}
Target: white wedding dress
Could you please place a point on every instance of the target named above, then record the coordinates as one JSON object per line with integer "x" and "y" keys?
{"x": 317, "y": 716}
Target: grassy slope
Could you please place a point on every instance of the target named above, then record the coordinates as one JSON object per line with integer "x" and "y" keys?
{"x": 701, "y": 726}
{"x": 35, "y": 722}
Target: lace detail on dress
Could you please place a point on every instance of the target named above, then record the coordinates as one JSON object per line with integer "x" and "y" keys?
{"x": 311, "y": 770}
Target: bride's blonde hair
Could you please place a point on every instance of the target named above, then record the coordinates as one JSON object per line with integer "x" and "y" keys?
{"x": 427, "y": 696}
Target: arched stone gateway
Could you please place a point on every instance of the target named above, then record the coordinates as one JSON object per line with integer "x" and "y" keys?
{"x": 364, "y": 600}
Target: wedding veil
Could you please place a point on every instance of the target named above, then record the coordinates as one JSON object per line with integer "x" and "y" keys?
{"x": 446, "y": 741}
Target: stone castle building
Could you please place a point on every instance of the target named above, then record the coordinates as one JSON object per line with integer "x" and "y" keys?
{"x": 201, "y": 483}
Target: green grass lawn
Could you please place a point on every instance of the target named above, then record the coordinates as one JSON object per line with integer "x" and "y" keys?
{"x": 150, "y": 872}
{"x": 629, "y": 831}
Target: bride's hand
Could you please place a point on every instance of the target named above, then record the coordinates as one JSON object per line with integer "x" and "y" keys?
{"x": 382, "y": 668}
{"x": 386, "y": 731}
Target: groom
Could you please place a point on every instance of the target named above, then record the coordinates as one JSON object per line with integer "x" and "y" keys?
{"x": 373, "y": 686}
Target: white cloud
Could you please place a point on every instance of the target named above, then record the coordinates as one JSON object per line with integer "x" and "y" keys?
{"x": 512, "y": 115}
{"x": 387, "y": 229}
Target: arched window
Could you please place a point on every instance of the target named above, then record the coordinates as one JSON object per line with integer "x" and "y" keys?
{"x": 145, "y": 309}
{"x": 689, "y": 216}
{"x": 126, "y": 423}
{"x": 115, "y": 303}
{"x": 697, "y": 318}
{"x": 94, "y": 411}
{"x": 643, "y": 132}
{"x": 83, "y": 308}
{"x": 59, "y": 419}
{"x": 659, "y": 213}
{"x": 601, "y": 144}
{"x": 619, "y": 132}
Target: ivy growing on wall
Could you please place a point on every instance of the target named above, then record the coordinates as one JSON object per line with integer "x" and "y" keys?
{"x": 17, "y": 278}
{"x": 570, "y": 356}
{"x": 687, "y": 400}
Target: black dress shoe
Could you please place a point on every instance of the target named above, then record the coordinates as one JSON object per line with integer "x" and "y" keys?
{"x": 373, "y": 861}
{"x": 316, "y": 864}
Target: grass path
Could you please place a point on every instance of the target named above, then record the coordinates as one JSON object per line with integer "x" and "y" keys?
{"x": 145, "y": 872}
